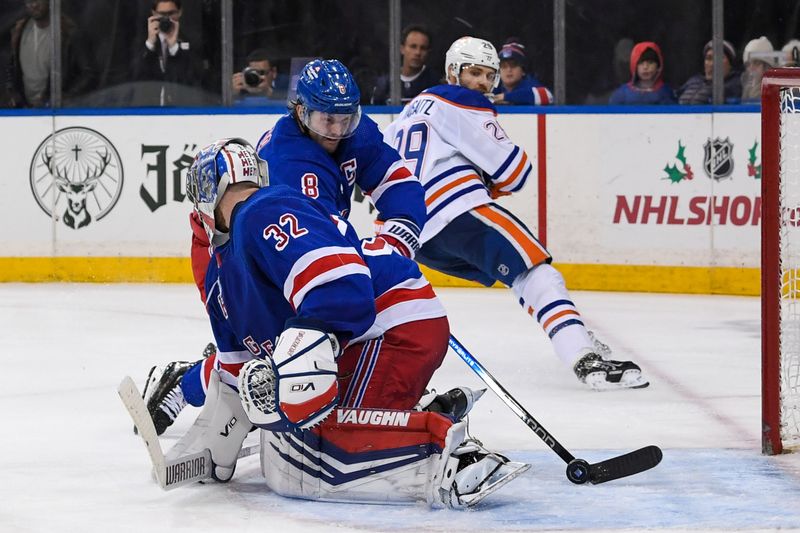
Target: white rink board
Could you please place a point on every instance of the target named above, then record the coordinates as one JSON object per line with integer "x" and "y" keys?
{"x": 598, "y": 167}
{"x": 598, "y": 164}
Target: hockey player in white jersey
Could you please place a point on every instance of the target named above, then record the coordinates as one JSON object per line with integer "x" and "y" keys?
{"x": 450, "y": 138}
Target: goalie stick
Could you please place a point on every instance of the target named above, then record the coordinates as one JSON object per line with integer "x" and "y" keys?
{"x": 169, "y": 473}
{"x": 579, "y": 471}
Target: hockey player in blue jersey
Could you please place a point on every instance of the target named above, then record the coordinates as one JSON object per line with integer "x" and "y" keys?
{"x": 289, "y": 297}
{"x": 325, "y": 146}
{"x": 450, "y": 136}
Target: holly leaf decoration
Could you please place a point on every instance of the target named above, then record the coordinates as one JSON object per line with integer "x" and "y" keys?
{"x": 673, "y": 174}
{"x": 752, "y": 152}
{"x": 753, "y": 169}
{"x": 680, "y": 156}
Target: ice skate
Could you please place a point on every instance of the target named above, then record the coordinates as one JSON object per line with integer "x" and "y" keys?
{"x": 163, "y": 395}
{"x": 479, "y": 473}
{"x": 604, "y": 374}
{"x": 455, "y": 403}
{"x": 162, "y": 392}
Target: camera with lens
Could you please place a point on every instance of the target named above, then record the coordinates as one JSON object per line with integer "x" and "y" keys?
{"x": 165, "y": 24}
{"x": 252, "y": 76}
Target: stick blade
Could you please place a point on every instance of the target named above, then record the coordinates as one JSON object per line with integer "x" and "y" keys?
{"x": 625, "y": 465}
{"x": 132, "y": 400}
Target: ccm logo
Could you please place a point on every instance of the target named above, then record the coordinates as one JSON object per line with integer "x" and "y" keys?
{"x": 302, "y": 387}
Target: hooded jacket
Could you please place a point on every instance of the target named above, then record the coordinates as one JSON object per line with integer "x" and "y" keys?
{"x": 632, "y": 93}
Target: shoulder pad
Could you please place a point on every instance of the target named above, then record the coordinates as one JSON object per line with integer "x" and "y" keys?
{"x": 462, "y": 97}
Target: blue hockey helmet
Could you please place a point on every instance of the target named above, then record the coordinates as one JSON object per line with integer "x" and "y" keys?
{"x": 330, "y": 99}
{"x": 216, "y": 166}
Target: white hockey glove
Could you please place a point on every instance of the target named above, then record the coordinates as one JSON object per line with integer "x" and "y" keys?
{"x": 299, "y": 388}
{"x": 401, "y": 234}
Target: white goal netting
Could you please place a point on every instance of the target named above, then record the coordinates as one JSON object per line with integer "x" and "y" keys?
{"x": 790, "y": 267}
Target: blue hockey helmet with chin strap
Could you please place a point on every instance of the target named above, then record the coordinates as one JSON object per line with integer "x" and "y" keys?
{"x": 330, "y": 99}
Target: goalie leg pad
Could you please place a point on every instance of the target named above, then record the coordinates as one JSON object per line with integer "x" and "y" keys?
{"x": 357, "y": 455}
{"x": 377, "y": 456}
{"x": 220, "y": 428}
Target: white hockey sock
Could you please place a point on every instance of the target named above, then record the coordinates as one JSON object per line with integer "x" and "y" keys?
{"x": 543, "y": 294}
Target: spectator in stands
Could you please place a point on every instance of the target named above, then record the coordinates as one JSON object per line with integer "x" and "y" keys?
{"x": 166, "y": 57}
{"x": 698, "y": 88}
{"x": 259, "y": 82}
{"x": 27, "y": 80}
{"x": 756, "y": 61}
{"x": 792, "y": 51}
{"x": 516, "y": 85}
{"x": 647, "y": 84}
{"x": 415, "y": 75}
{"x": 617, "y": 73}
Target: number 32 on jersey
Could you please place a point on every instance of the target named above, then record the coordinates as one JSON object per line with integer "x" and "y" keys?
{"x": 287, "y": 228}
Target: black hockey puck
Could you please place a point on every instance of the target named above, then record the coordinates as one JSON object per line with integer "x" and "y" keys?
{"x": 578, "y": 471}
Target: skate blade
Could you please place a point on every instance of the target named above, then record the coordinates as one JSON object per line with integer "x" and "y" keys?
{"x": 631, "y": 379}
{"x": 509, "y": 471}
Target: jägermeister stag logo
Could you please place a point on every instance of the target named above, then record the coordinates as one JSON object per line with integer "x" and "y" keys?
{"x": 76, "y": 175}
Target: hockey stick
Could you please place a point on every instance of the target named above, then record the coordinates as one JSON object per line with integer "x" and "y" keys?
{"x": 578, "y": 470}
{"x": 169, "y": 473}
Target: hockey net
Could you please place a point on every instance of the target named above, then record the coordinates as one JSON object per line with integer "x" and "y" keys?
{"x": 780, "y": 261}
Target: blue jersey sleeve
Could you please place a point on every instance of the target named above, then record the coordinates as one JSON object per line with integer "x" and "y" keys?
{"x": 224, "y": 336}
{"x": 312, "y": 257}
{"x": 382, "y": 174}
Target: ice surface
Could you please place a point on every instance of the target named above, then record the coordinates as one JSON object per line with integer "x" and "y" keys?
{"x": 70, "y": 462}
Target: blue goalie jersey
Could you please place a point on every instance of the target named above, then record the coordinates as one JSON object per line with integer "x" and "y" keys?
{"x": 296, "y": 160}
{"x": 287, "y": 260}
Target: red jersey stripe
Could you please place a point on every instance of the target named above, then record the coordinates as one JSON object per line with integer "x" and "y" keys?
{"x": 395, "y": 296}
{"x": 321, "y": 266}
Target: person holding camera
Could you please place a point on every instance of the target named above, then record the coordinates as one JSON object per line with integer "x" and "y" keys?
{"x": 167, "y": 59}
{"x": 259, "y": 82}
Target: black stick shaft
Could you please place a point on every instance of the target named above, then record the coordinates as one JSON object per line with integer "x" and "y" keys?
{"x": 509, "y": 400}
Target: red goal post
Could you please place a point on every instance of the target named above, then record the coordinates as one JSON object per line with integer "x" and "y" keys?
{"x": 780, "y": 260}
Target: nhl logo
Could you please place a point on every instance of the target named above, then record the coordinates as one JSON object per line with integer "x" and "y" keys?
{"x": 342, "y": 90}
{"x": 718, "y": 158}
{"x": 76, "y": 176}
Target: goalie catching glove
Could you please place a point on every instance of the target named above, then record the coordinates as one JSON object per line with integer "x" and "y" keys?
{"x": 297, "y": 387}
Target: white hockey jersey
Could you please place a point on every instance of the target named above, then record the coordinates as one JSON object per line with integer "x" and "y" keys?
{"x": 450, "y": 138}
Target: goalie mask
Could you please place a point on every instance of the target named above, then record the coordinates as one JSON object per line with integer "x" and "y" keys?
{"x": 471, "y": 51}
{"x": 216, "y": 166}
{"x": 330, "y": 99}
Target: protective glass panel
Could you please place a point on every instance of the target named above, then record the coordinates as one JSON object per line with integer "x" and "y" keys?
{"x": 526, "y": 23}
{"x": 120, "y": 53}
{"x": 25, "y": 54}
{"x": 273, "y": 40}
{"x": 600, "y": 37}
{"x": 766, "y": 35}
